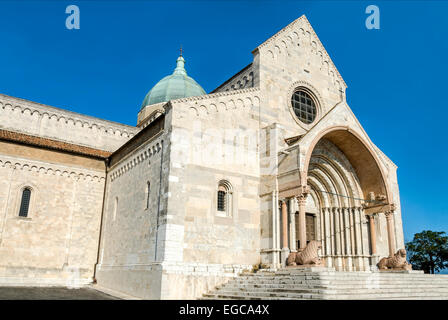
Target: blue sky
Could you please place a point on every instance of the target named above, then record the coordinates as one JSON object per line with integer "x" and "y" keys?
{"x": 396, "y": 76}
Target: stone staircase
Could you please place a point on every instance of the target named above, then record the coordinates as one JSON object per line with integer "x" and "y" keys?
{"x": 326, "y": 283}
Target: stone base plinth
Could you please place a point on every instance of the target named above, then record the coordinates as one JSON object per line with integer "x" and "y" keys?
{"x": 309, "y": 267}
{"x": 284, "y": 256}
{"x": 401, "y": 271}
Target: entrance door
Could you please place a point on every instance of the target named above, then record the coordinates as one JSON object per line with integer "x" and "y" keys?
{"x": 310, "y": 222}
{"x": 310, "y": 227}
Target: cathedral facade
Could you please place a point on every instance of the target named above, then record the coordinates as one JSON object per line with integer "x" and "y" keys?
{"x": 204, "y": 187}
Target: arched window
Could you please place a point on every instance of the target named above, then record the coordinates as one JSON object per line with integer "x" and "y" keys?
{"x": 25, "y": 202}
{"x": 221, "y": 200}
{"x": 224, "y": 200}
{"x": 148, "y": 192}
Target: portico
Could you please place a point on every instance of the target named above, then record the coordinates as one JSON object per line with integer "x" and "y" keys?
{"x": 338, "y": 198}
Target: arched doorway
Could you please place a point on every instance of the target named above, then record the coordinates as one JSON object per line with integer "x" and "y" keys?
{"x": 343, "y": 230}
{"x": 342, "y": 176}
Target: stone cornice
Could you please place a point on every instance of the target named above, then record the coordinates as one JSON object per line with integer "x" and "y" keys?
{"x": 25, "y": 106}
{"x": 51, "y": 169}
{"x": 215, "y": 95}
{"x": 384, "y": 157}
{"x": 139, "y": 156}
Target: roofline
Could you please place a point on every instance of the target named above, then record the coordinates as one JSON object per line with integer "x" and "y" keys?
{"x": 50, "y": 144}
{"x": 159, "y": 121}
{"x": 67, "y": 111}
{"x": 230, "y": 79}
{"x": 305, "y": 19}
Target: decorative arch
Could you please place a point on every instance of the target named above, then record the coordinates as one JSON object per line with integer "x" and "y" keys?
{"x": 361, "y": 156}
{"x": 19, "y": 202}
{"x": 224, "y": 200}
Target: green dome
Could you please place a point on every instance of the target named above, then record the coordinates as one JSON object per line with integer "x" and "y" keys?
{"x": 175, "y": 86}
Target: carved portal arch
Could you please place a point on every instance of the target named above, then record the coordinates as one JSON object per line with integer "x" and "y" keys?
{"x": 362, "y": 157}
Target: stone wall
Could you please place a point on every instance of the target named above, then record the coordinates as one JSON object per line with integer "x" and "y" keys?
{"x": 44, "y": 121}
{"x": 132, "y": 246}
{"x": 213, "y": 138}
{"x": 57, "y": 243}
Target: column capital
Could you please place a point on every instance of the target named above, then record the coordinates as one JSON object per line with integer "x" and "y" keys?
{"x": 389, "y": 214}
{"x": 390, "y": 211}
{"x": 303, "y": 194}
{"x": 335, "y": 209}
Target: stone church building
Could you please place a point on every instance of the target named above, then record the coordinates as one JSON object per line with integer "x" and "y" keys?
{"x": 204, "y": 187}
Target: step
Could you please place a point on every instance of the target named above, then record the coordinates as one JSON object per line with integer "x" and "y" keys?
{"x": 261, "y": 295}
{"x": 281, "y": 295}
{"x": 329, "y": 286}
{"x": 306, "y": 284}
{"x": 440, "y": 291}
{"x": 340, "y": 276}
{"x": 336, "y": 281}
{"x": 336, "y": 289}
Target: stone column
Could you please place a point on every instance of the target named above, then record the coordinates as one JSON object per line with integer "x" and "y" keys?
{"x": 358, "y": 239}
{"x": 352, "y": 231}
{"x": 327, "y": 242}
{"x": 372, "y": 233}
{"x": 322, "y": 231}
{"x": 390, "y": 232}
{"x": 292, "y": 224}
{"x": 342, "y": 230}
{"x": 330, "y": 214}
{"x": 374, "y": 255}
{"x": 284, "y": 225}
{"x": 278, "y": 230}
{"x": 302, "y": 217}
{"x": 275, "y": 220}
{"x": 337, "y": 238}
{"x": 285, "y": 249}
{"x": 365, "y": 238}
{"x": 348, "y": 248}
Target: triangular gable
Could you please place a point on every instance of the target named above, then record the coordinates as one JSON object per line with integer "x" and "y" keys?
{"x": 296, "y": 25}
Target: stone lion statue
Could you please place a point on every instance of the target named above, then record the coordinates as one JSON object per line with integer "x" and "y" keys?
{"x": 398, "y": 261}
{"x": 308, "y": 256}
